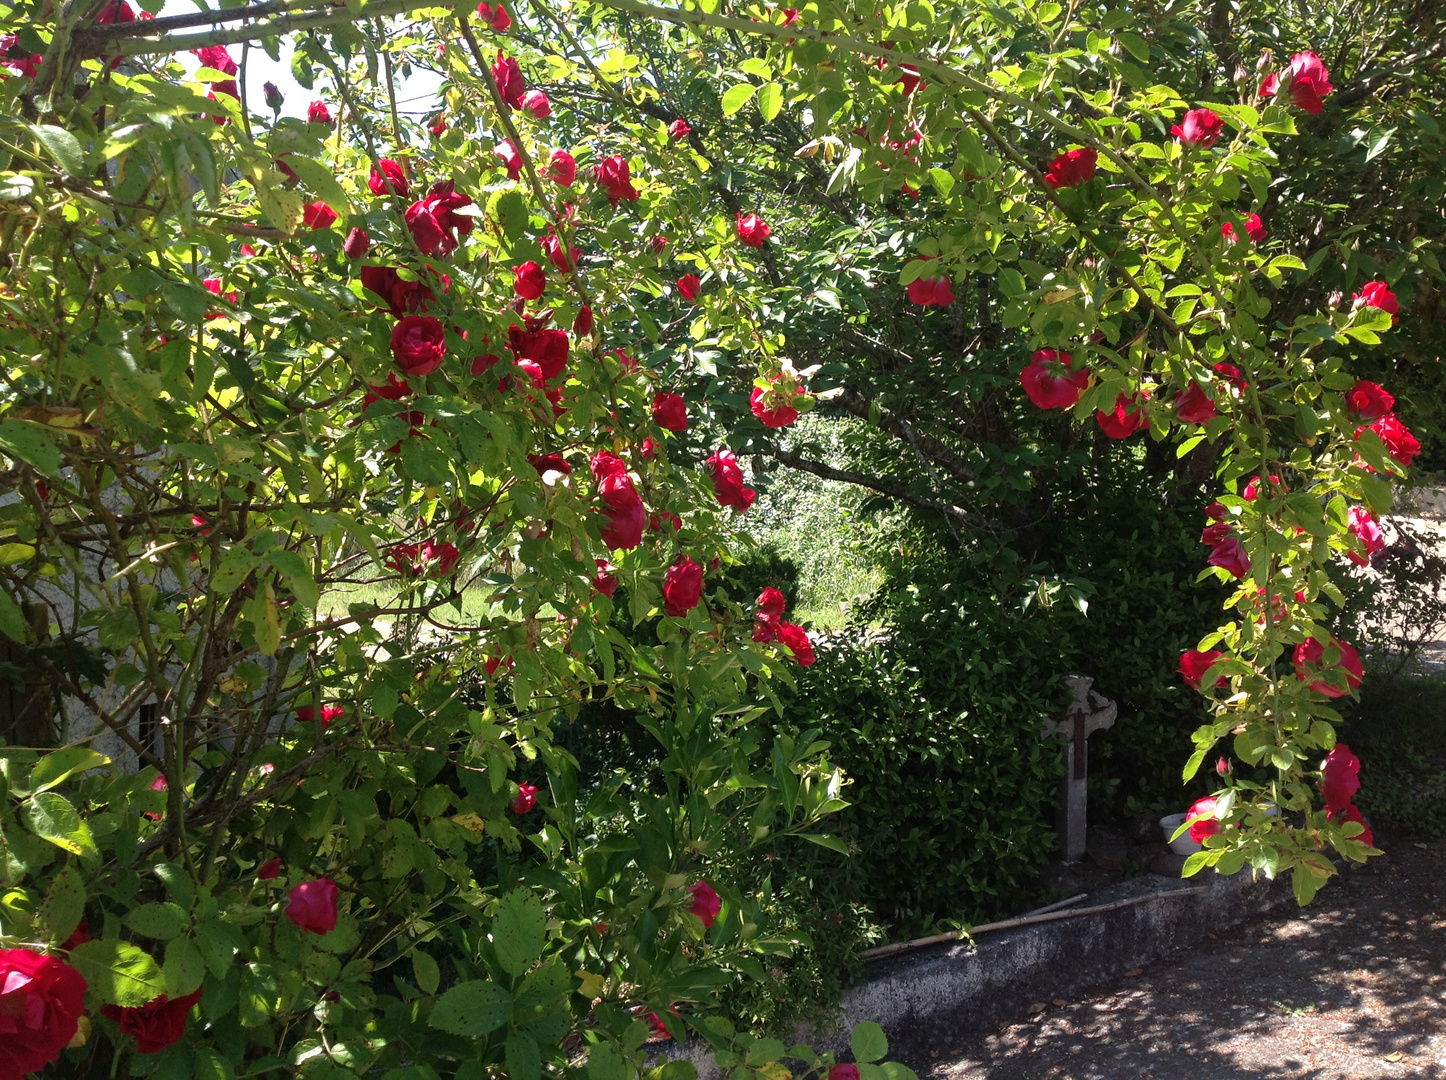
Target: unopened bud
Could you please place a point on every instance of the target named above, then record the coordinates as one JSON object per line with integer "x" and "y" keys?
{"x": 273, "y": 96}
{"x": 1117, "y": 50}
{"x": 357, "y": 244}
{"x": 1222, "y": 767}
{"x": 1265, "y": 62}
{"x": 1335, "y": 298}
{"x": 1241, "y": 75}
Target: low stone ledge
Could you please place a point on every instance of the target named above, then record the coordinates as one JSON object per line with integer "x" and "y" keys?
{"x": 931, "y": 998}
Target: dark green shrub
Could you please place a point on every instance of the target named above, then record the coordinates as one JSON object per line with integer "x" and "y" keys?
{"x": 1398, "y": 730}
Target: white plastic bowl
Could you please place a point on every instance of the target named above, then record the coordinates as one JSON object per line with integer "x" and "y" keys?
{"x": 1181, "y": 845}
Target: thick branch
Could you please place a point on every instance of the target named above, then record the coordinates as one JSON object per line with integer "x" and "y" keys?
{"x": 794, "y": 460}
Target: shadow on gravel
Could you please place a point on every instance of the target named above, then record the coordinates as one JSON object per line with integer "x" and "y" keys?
{"x": 1351, "y": 988}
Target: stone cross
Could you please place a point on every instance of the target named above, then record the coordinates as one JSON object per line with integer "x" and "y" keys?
{"x": 1086, "y": 712}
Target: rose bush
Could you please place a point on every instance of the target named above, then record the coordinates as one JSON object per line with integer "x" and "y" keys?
{"x": 189, "y": 340}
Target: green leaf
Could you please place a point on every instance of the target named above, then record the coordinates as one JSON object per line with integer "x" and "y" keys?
{"x": 868, "y": 1042}
{"x": 472, "y": 1008}
{"x": 51, "y": 817}
{"x": 64, "y": 904}
{"x": 65, "y": 148}
{"x": 524, "y": 1060}
{"x": 770, "y": 100}
{"x": 1195, "y": 863}
{"x": 943, "y": 181}
{"x": 320, "y": 179}
{"x": 1137, "y": 46}
{"x": 12, "y": 620}
{"x": 186, "y": 302}
{"x": 159, "y": 921}
{"x": 605, "y": 1063}
{"x": 16, "y": 553}
{"x": 426, "y": 972}
{"x": 833, "y": 843}
{"x": 118, "y": 974}
{"x": 519, "y": 931}
{"x": 737, "y": 96}
{"x": 27, "y": 443}
{"x": 184, "y": 969}
{"x": 56, "y": 767}
{"x": 296, "y": 575}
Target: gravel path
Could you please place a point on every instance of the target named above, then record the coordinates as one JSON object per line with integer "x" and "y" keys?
{"x": 1351, "y": 988}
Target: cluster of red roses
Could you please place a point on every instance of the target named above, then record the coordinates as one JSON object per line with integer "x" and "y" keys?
{"x": 769, "y": 625}
{"x": 1306, "y": 82}
{"x": 1226, "y": 551}
{"x": 42, "y": 998}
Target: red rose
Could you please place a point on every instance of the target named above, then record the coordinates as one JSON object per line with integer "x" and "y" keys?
{"x": 705, "y": 903}
{"x": 648, "y": 450}
{"x": 434, "y": 221}
{"x": 1230, "y": 555}
{"x": 1194, "y": 664}
{"x": 728, "y": 487}
{"x": 155, "y": 1025}
{"x": 1310, "y": 655}
{"x": 796, "y": 638}
{"x": 318, "y": 113}
{"x": 1400, "y": 443}
{"x": 511, "y": 158}
{"x": 1233, "y": 375}
{"x": 561, "y": 256}
{"x": 357, "y": 244}
{"x": 909, "y": 79}
{"x": 582, "y": 325}
{"x": 1216, "y": 511}
{"x": 318, "y": 215}
{"x": 753, "y": 230}
{"x": 41, "y": 1002}
{"x": 671, "y": 412}
{"x": 688, "y": 286}
{"x": 1254, "y": 229}
{"x": 790, "y": 16}
{"x": 1051, "y": 382}
{"x": 494, "y": 16}
{"x": 1195, "y": 405}
{"x": 548, "y": 349}
{"x": 1378, "y": 294}
{"x": 779, "y": 416}
{"x": 658, "y": 520}
{"x": 561, "y": 168}
{"x": 1368, "y": 401}
{"x": 1306, "y": 81}
{"x": 438, "y": 126}
{"x": 679, "y": 129}
{"x": 622, "y": 530}
{"x": 526, "y": 798}
{"x": 682, "y": 587}
{"x": 545, "y": 463}
{"x": 1363, "y": 526}
{"x": 768, "y": 617}
{"x": 930, "y": 291}
{"x": 419, "y": 344}
{"x": 1126, "y": 418}
{"x": 270, "y": 870}
{"x": 79, "y": 936}
{"x": 1199, "y": 127}
{"x": 605, "y": 463}
{"x": 17, "y": 59}
{"x": 1340, "y": 777}
{"x": 398, "y": 296}
{"x": 535, "y": 104}
{"x": 613, "y": 177}
{"x": 1071, "y": 168}
{"x": 328, "y": 713}
{"x": 388, "y": 179}
{"x": 508, "y": 77}
{"x": 617, "y": 492}
{"x": 842, "y": 1071}
{"x": 312, "y": 906}
{"x": 605, "y": 580}
{"x": 1353, "y": 813}
{"x": 1202, "y": 819}
{"x": 529, "y": 281}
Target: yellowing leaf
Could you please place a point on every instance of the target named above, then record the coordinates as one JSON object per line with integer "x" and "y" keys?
{"x": 471, "y": 822}
{"x": 592, "y": 984}
{"x": 282, "y": 206}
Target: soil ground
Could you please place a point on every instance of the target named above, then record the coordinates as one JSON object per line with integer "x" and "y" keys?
{"x": 1351, "y": 988}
